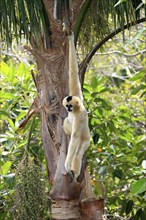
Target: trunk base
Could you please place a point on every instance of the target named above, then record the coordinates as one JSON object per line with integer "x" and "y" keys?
{"x": 92, "y": 209}
{"x": 65, "y": 210}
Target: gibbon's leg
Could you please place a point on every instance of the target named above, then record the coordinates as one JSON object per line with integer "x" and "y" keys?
{"x": 74, "y": 142}
{"x": 78, "y": 156}
{"x": 66, "y": 126}
{"x": 73, "y": 145}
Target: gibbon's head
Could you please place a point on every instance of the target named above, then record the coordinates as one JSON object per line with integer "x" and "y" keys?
{"x": 72, "y": 103}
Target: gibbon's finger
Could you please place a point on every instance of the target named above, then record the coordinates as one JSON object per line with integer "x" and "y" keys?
{"x": 72, "y": 176}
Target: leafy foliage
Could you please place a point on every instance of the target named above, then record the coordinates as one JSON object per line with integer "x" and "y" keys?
{"x": 115, "y": 156}
{"x": 17, "y": 94}
{"x": 117, "y": 120}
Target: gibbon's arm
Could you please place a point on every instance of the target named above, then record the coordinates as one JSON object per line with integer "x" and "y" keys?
{"x": 74, "y": 82}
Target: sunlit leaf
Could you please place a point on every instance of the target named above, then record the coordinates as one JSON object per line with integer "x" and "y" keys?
{"x": 2, "y": 139}
{"x": 139, "y": 186}
{"x": 11, "y": 72}
{"x": 4, "y": 68}
{"x": 138, "y": 88}
{"x": 138, "y": 76}
{"x": 94, "y": 82}
{"x": 7, "y": 95}
{"x": 21, "y": 115}
{"x": 120, "y": 2}
{"x": 11, "y": 123}
{"x": 5, "y": 168}
{"x": 102, "y": 169}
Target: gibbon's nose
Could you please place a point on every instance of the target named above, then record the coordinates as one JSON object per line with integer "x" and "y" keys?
{"x": 70, "y": 108}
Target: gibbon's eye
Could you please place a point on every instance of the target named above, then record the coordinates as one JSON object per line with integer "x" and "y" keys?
{"x": 67, "y": 105}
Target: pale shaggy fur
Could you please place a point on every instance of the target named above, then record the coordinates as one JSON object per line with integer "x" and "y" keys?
{"x": 76, "y": 124}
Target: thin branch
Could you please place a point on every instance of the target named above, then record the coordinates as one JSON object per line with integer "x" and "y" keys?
{"x": 19, "y": 58}
{"x": 35, "y": 81}
{"x": 123, "y": 54}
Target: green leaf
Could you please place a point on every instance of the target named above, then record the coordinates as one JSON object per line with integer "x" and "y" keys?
{"x": 138, "y": 76}
{"x": 139, "y": 186}
{"x": 111, "y": 126}
{"x": 129, "y": 206}
{"x": 11, "y": 72}
{"x": 123, "y": 108}
{"x": 102, "y": 170}
{"x": 136, "y": 37}
{"x": 6, "y": 167}
{"x": 21, "y": 69}
{"x": 98, "y": 112}
{"x": 118, "y": 174}
{"x": 21, "y": 115}
{"x": 9, "y": 179}
{"x": 140, "y": 215}
{"x": 4, "y": 68}
{"x": 94, "y": 82}
{"x": 138, "y": 88}
{"x": 119, "y": 2}
{"x": 11, "y": 123}
{"x": 3, "y": 140}
{"x": 96, "y": 138}
{"x": 7, "y": 95}
{"x": 2, "y": 112}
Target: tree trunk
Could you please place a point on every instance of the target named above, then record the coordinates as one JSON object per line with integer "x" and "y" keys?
{"x": 70, "y": 199}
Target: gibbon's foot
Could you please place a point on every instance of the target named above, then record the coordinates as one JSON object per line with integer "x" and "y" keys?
{"x": 72, "y": 175}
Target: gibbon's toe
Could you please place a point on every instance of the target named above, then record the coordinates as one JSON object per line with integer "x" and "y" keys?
{"x": 72, "y": 175}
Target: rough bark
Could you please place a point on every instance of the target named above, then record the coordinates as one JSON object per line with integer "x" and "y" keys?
{"x": 52, "y": 86}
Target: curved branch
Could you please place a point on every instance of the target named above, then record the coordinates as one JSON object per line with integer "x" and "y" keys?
{"x": 85, "y": 62}
{"x": 123, "y": 54}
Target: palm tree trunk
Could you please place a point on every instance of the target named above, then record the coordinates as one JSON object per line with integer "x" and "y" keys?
{"x": 52, "y": 87}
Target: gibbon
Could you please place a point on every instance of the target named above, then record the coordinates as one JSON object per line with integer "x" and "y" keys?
{"x": 76, "y": 124}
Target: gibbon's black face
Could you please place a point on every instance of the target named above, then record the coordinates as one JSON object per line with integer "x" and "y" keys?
{"x": 69, "y": 107}
{"x": 71, "y": 103}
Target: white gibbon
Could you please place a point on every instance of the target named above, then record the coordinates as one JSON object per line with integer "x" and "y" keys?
{"x": 76, "y": 124}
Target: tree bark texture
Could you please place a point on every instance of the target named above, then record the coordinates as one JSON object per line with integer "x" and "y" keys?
{"x": 70, "y": 199}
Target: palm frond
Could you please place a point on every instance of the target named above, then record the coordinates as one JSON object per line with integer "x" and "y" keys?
{"x": 104, "y": 16}
{"x": 29, "y": 18}
{"x": 22, "y": 17}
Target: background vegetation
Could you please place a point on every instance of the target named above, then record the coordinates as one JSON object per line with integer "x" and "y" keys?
{"x": 114, "y": 96}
